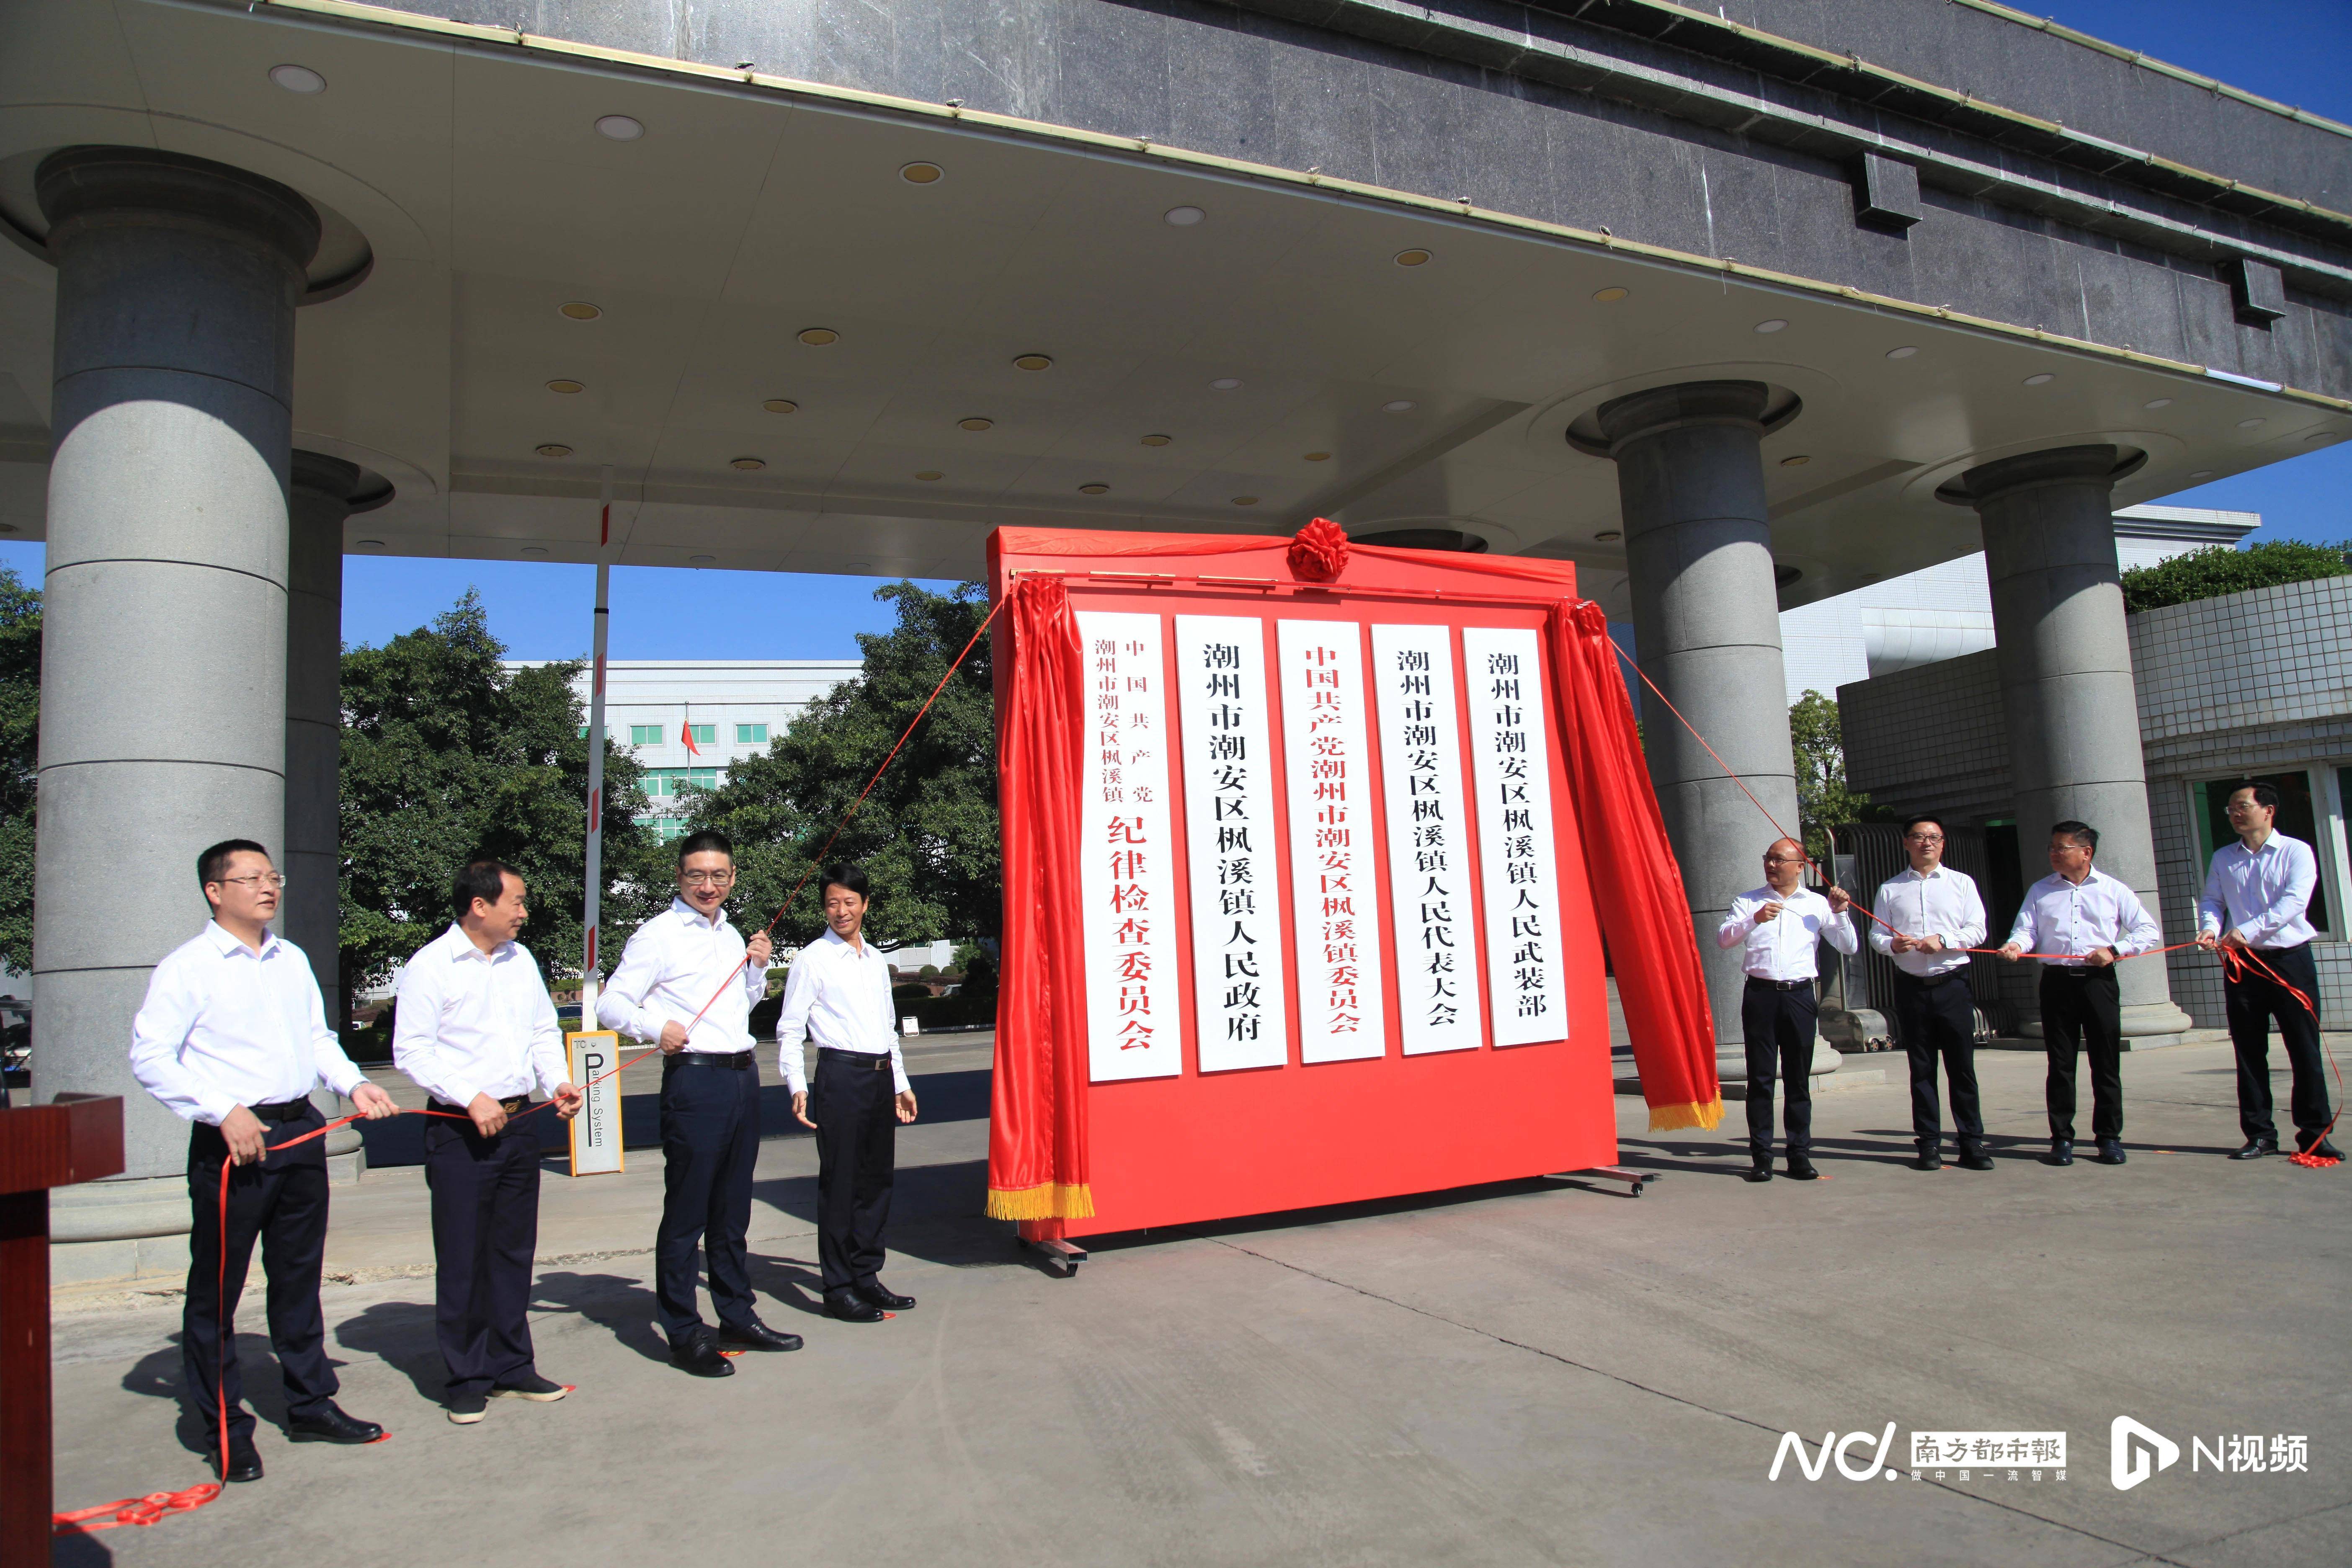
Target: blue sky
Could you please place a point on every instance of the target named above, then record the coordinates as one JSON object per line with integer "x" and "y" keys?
{"x": 2295, "y": 51}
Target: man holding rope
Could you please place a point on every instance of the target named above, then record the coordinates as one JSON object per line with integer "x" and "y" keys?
{"x": 231, "y": 1038}
{"x": 1780, "y": 926}
{"x": 2257, "y": 902}
{"x": 686, "y": 982}
{"x": 1930, "y": 914}
{"x": 2079, "y": 921}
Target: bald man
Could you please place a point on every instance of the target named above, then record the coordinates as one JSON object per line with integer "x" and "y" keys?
{"x": 1781, "y": 925}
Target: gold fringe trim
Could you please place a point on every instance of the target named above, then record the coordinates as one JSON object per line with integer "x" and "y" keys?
{"x": 1666, "y": 1118}
{"x": 1051, "y": 1200}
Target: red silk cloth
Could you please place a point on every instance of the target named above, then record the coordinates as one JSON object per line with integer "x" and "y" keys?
{"x": 1037, "y": 1104}
{"x": 1637, "y": 884}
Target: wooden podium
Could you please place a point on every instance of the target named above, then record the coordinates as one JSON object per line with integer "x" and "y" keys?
{"x": 78, "y": 1138}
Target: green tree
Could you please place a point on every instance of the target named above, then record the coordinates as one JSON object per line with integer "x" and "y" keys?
{"x": 20, "y": 729}
{"x": 927, "y": 834}
{"x": 1823, "y": 801}
{"x": 447, "y": 753}
{"x": 2218, "y": 569}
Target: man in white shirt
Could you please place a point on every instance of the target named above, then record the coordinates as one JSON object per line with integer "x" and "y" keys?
{"x": 1935, "y": 913}
{"x": 2258, "y": 899}
{"x": 686, "y": 982}
{"x": 231, "y": 1038}
{"x": 2082, "y": 921}
{"x": 474, "y": 1027}
{"x": 839, "y": 995}
{"x": 1781, "y": 925}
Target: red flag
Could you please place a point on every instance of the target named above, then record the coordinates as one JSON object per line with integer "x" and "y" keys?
{"x": 685, "y": 734}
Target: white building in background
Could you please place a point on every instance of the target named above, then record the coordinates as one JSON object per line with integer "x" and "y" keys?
{"x": 728, "y": 709}
{"x": 1945, "y": 610}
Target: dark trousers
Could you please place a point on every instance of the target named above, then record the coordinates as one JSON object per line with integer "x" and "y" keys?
{"x": 1778, "y": 1026}
{"x": 2083, "y": 1008}
{"x": 710, "y": 1141}
{"x": 856, "y": 1119}
{"x": 1937, "y": 1019}
{"x": 485, "y": 1232}
{"x": 2252, "y": 1004}
{"x": 283, "y": 1201}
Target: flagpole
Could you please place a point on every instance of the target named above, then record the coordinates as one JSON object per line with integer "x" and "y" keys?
{"x": 591, "y": 905}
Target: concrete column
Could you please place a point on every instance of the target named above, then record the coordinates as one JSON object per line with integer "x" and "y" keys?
{"x": 1706, "y": 625}
{"x": 2066, "y": 688}
{"x": 163, "y": 650}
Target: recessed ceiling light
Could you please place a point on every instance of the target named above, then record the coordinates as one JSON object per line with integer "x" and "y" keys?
{"x": 2321, "y": 436}
{"x": 620, "y": 128}
{"x": 581, "y": 309}
{"x": 1774, "y": 325}
{"x": 7, "y": 528}
{"x": 566, "y": 387}
{"x": 1096, "y": 489}
{"x": 2248, "y": 424}
{"x": 702, "y": 560}
{"x": 781, "y": 405}
{"x": 1033, "y": 361}
{"x": 1413, "y": 257}
{"x": 2200, "y": 474}
{"x": 747, "y": 465}
{"x": 1319, "y": 456}
{"x": 370, "y": 544}
{"x": 975, "y": 424}
{"x": 1158, "y": 440}
{"x": 1246, "y": 500}
{"x": 1905, "y": 352}
{"x": 1225, "y": 384}
{"x": 2158, "y": 402}
{"x": 858, "y": 567}
{"x": 1799, "y": 461}
{"x": 2042, "y": 378}
{"x": 1609, "y": 295}
{"x": 1399, "y": 405}
{"x": 297, "y": 78}
{"x": 534, "y": 550}
{"x": 552, "y": 449}
{"x": 817, "y": 337}
{"x": 1607, "y": 536}
{"x": 927, "y": 475}
{"x": 1184, "y": 217}
{"x": 921, "y": 173}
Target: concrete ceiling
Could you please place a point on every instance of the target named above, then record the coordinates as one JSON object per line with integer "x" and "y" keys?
{"x": 743, "y": 217}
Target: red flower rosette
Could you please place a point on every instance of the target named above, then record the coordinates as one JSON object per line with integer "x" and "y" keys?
{"x": 1319, "y": 551}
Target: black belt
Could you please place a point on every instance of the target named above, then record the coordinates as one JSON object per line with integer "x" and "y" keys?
{"x": 1925, "y": 980}
{"x": 1758, "y": 981}
{"x": 864, "y": 1061}
{"x": 2080, "y": 970}
{"x": 511, "y": 1107}
{"x": 739, "y": 1061}
{"x": 283, "y": 1110}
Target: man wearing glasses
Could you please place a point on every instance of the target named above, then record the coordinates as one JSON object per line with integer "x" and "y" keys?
{"x": 686, "y": 982}
{"x": 232, "y": 1036}
{"x": 2258, "y": 898}
{"x": 1781, "y": 925}
{"x": 1933, "y": 913}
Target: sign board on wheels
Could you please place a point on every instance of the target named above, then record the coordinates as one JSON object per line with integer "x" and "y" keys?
{"x": 597, "y": 1130}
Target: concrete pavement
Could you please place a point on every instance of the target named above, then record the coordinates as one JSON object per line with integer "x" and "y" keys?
{"x": 1535, "y": 1373}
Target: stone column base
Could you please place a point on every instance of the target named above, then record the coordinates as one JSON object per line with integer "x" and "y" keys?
{"x": 134, "y": 1229}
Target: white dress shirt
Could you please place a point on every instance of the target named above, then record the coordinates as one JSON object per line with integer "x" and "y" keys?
{"x": 473, "y": 1023}
{"x": 671, "y": 967}
{"x": 839, "y": 997}
{"x": 1942, "y": 903}
{"x": 2074, "y": 918}
{"x": 223, "y": 1026}
{"x": 1782, "y": 948}
{"x": 2265, "y": 894}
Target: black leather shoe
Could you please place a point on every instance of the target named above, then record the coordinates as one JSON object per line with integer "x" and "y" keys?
{"x": 851, "y": 1308}
{"x": 2062, "y": 1152}
{"x": 2256, "y": 1147}
{"x": 244, "y": 1461}
{"x": 2111, "y": 1151}
{"x": 1800, "y": 1169}
{"x": 1975, "y": 1160}
{"x": 1928, "y": 1159}
{"x": 331, "y": 1426}
{"x": 873, "y": 1293}
{"x": 756, "y": 1335}
{"x": 2320, "y": 1148}
{"x": 699, "y": 1355}
{"x": 1757, "y": 1174}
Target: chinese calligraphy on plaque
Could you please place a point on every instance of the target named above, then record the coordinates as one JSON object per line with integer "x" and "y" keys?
{"x": 1430, "y": 887}
{"x": 1334, "y": 888}
{"x": 1127, "y": 849}
{"x": 1511, "y": 762}
{"x": 1229, "y": 806}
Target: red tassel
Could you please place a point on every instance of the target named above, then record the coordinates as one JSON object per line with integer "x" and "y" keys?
{"x": 1319, "y": 552}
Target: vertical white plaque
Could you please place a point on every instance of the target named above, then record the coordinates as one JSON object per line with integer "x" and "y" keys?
{"x": 1229, "y": 806}
{"x": 1334, "y": 889}
{"x": 1511, "y": 761}
{"x": 595, "y": 1133}
{"x": 1127, "y": 854}
{"x": 1430, "y": 889}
